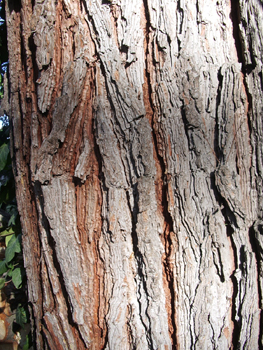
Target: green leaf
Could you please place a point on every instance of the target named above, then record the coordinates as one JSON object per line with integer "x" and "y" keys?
{"x": 2, "y": 283}
{"x": 17, "y": 277}
{"x": 4, "y": 233}
{"x": 12, "y": 210}
{"x": 12, "y": 220}
{"x": 4, "y": 151}
{"x": 11, "y": 268}
{"x": 28, "y": 342}
{"x": 21, "y": 316}
{"x": 3, "y": 267}
{"x": 8, "y": 233}
{"x": 8, "y": 239}
{"x": 13, "y": 247}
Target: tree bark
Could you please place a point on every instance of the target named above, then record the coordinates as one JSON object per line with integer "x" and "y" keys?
{"x": 137, "y": 145}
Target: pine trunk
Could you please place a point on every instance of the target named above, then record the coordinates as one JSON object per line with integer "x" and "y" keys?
{"x": 137, "y": 144}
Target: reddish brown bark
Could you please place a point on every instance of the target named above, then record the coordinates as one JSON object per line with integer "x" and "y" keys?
{"x": 137, "y": 136}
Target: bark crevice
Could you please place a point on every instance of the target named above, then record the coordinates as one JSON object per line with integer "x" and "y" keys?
{"x": 161, "y": 181}
{"x": 140, "y": 278}
{"x": 51, "y": 256}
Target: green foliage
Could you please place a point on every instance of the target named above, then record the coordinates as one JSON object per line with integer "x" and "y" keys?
{"x": 3, "y": 267}
{"x": 28, "y": 342}
{"x": 2, "y": 283}
{"x": 13, "y": 247}
{"x": 11, "y": 267}
{"x": 22, "y": 320}
{"x": 17, "y": 277}
{"x": 4, "y": 152}
{"x": 12, "y": 272}
{"x": 22, "y": 316}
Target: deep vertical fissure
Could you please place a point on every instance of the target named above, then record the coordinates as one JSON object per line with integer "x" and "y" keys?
{"x": 230, "y": 222}
{"x": 139, "y": 258}
{"x": 235, "y": 16}
{"x": 102, "y": 188}
{"x": 217, "y": 149}
{"x": 168, "y": 230}
{"x": 237, "y": 328}
{"x": 248, "y": 73}
{"x": 102, "y": 181}
{"x": 51, "y": 243}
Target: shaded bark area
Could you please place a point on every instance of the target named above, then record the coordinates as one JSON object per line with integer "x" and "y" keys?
{"x": 137, "y": 145}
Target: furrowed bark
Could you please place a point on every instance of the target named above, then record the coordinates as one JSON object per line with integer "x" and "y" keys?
{"x": 137, "y": 141}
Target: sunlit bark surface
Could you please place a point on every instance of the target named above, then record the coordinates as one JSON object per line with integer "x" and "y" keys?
{"x": 137, "y": 143}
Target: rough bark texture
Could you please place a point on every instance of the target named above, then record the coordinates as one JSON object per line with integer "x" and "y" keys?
{"x": 137, "y": 143}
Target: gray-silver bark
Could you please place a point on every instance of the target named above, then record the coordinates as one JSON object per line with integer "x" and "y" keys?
{"x": 137, "y": 129}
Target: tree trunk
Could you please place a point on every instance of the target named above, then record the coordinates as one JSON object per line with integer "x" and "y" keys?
{"x": 137, "y": 143}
